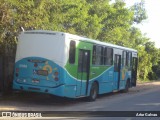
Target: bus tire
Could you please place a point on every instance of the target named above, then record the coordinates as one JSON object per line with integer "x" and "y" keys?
{"x": 93, "y": 92}
{"x": 126, "y": 87}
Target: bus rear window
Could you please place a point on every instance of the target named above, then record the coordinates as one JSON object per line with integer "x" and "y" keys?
{"x": 72, "y": 52}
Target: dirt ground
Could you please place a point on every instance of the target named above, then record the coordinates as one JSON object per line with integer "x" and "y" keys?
{"x": 29, "y": 100}
{"x": 145, "y": 86}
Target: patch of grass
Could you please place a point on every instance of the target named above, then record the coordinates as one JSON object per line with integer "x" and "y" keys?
{"x": 143, "y": 81}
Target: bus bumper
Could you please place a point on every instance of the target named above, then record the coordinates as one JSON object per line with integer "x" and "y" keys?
{"x": 58, "y": 91}
{"x": 61, "y": 90}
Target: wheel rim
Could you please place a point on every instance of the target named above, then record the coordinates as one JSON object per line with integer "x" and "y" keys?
{"x": 94, "y": 92}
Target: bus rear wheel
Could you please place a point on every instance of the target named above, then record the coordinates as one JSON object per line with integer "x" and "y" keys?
{"x": 93, "y": 92}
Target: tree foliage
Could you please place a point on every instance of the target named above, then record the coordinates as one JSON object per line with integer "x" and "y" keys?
{"x": 96, "y": 19}
{"x": 139, "y": 12}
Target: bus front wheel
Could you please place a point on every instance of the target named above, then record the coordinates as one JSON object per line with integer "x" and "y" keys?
{"x": 93, "y": 92}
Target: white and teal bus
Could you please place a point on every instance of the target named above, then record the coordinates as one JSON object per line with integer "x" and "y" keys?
{"x": 71, "y": 66}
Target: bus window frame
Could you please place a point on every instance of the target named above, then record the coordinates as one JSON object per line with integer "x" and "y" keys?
{"x": 72, "y": 59}
{"x": 103, "y": 55}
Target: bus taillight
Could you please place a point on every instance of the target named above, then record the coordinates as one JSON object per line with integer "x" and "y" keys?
{"x": 56, "y": 79}
{"x": 35, "y": 65}
{"x": 17, "y": 70}
{"x": 56, "y": 73}
{"x": 56, "y": 76}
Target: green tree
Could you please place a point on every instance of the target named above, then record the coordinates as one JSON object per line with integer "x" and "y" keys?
{"x": 6, "y": 24}
{"x": 116, "y": 24}
{"x": 97, "y": 19}
{"x": 139, "y": 42}
{"x": 27, "y": 14}
{"x": 155, "y": 60}
{"x": 139, "y": 12}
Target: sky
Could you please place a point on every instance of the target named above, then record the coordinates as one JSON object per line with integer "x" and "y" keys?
{"x": 150, "y": 26}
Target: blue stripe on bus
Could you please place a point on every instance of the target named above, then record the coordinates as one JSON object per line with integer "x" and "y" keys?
{"x": 67, "y": 84}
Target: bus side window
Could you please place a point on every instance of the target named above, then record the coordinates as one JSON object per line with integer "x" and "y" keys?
{"x": 105, "y": 56}
{"x": 102, "y": 56}
{"x": 129, "y": 59}
{"x": 109, "y": 59}
{"x": 124, "y": 58}
{"x": 94, "y": 55}
{"x": 72, "y": 52}
{"x": 97, "y": 55}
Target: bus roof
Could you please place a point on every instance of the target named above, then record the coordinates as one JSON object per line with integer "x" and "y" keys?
{"x": 78, "y": 37}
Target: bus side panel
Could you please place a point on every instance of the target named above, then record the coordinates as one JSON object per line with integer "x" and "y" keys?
{"x": 105, "y": 81}
{"x": 126, "y": 75}
{"x": 70, "y": 85}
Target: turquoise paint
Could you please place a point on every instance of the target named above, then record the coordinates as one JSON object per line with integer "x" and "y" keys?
{"x": 66, "y": 86}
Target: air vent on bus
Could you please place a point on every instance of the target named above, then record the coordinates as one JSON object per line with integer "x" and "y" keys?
{"x": 40, "y": 33}
{"x": 36, "y": 61}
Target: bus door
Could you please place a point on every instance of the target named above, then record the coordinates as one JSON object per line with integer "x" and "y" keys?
{"x": 83, "y": 72}
{"x": 134, "y": 71}
{"x": 117, "y": 69}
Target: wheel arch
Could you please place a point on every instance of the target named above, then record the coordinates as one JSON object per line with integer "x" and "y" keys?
{"x": 94, "y": 90}
{"x": 96, "y": 81}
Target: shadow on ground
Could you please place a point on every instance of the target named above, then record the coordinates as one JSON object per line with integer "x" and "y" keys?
{"x": 46, "y": 99}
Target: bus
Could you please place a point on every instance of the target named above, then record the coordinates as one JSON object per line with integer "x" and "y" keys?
{"x": 72, "y": 66}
